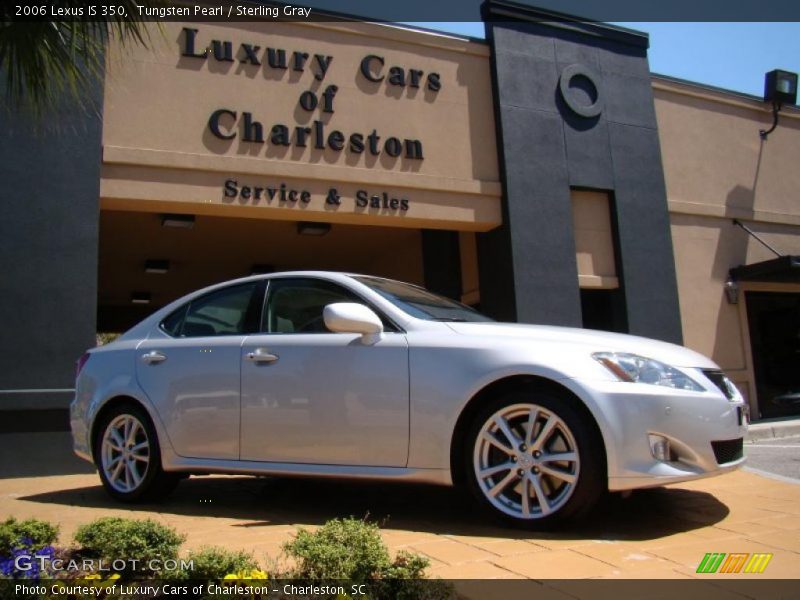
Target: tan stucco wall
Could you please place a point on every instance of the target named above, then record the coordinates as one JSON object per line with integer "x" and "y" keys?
{"x": 717, "y": 168}
{"x": 159, "y": 154}
{"x": 594, "y": 241}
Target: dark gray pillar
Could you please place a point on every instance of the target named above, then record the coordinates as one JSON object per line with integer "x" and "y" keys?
{"x": 527, "y": 267}
{"x": 644, "y": 239}
{"x": 574, "y": 109}
{"x": 50, "y": 173}
{"x": 441, "y": 262}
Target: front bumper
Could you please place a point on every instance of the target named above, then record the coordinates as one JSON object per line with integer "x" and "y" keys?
{"x": 628, "y": 413}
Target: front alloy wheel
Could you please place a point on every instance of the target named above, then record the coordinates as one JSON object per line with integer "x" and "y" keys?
{"x": 534, "y": 460}
{"x": 526, "y": 461}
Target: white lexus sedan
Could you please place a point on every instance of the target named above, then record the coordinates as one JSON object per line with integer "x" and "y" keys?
{"x": 336, "y": 375}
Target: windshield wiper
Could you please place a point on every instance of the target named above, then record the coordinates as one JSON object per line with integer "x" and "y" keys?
{"x": 450, "y": 319}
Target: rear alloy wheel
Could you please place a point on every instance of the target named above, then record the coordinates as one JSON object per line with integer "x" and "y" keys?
{"x": 128, "y": 456}
{"x": 533, "y": 460}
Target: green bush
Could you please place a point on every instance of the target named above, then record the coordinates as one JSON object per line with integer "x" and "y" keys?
{"x": 106, "y": 338}
{"x": 407, "y": 565}
{"x": 340, "y": 549}
{"x": 405, "y": 580}
{"x": 112, "y": 538}
{"x": 41, "y": 533}
{"x": 213, "y": 562}
{"x": 352, "y": 549}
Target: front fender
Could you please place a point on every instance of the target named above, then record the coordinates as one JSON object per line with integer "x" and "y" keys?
{"x": 445, "y": 378}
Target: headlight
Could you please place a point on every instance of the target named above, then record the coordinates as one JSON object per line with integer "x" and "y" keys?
{"x": 638, "y": 369}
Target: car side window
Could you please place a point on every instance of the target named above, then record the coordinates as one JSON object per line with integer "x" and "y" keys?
{"x": 232, "y": 310}
{"x": 296, "y": 305}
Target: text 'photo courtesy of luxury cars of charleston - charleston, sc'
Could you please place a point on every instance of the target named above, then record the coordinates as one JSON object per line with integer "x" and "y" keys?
{"x": 241, "y": 588}
{"x": 402, "y": 384}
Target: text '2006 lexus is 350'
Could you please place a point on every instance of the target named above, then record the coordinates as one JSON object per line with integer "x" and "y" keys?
{"x": 337, "y": 375}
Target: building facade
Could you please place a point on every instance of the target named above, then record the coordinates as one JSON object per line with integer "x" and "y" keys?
{"x": 543, "y": 175}
{"x": 739, "y": 300}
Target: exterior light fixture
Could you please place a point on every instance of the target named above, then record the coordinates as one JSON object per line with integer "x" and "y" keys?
{"x": 140, "y": 298}
{"x": 180, "y": 221}
{"x": 312, "y": 228}
{"x": 732, "y": 291}
{"x": 780, "y": 87}
{"x": 155, "y": 266}
{"x": 262, "y": 269}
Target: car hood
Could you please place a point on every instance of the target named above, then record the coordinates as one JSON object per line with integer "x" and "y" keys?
{"x": 590, "y": 340}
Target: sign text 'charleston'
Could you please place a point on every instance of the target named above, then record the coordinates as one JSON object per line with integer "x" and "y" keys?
{"x": 228, "y": 123}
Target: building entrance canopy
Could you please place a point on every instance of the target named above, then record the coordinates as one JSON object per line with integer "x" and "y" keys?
{"x": 784, "y": 269}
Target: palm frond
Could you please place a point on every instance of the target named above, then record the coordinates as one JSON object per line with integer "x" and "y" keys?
{"x": 44, "y": 61}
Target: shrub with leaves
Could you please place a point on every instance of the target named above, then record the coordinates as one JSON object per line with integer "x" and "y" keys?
{"x": 104, "y": 338}
{"x": 407, "y": 565}
{"x": 32, "y": 540}
{"x": 340, "y": 549}
{"x": 213, "y": 562}
{"x": 353, "y": 549}
{"x": 37, "y": 532}
{"x": 405, "y": 580}
{"x": 112, "y": 538}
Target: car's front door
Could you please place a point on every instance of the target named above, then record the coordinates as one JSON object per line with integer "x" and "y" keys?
{"x": 191, "y": 370}
{"x": 313, "y": 396}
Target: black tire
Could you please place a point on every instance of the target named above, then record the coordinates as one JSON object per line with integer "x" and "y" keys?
{"x": 499, "y": 490}
{"x": 153, "y": 482}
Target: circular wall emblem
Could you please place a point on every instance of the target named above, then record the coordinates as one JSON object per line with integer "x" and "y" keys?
{"x": 576, "y": 83}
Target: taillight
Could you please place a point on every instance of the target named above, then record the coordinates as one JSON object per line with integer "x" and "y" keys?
{"x": 80, "y": 362}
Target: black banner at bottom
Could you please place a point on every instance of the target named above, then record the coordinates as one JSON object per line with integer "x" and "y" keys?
{"x": 433, "y": 589}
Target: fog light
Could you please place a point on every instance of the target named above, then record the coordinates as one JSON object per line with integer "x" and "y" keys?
{"x": 659, "y": 447}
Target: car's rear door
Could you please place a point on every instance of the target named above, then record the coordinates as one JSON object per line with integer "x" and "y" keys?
{"x": 191, "y": 370}
{"x": 313, "y": 396}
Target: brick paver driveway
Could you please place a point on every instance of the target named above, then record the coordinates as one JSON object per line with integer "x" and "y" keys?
{"x": 662, "y": 533}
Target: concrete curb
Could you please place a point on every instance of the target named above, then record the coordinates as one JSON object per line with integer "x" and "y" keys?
{"x": 767, "y": 430}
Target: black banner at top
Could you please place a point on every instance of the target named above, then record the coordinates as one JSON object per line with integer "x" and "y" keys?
{"x": 399, "y": 11}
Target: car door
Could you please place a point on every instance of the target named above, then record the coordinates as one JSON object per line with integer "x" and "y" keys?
{"x": 190, "y": 369}
{"x": 313, "y": 396}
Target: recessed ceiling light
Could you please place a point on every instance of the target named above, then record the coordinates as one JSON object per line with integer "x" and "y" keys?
{"x": 152, "y": 265}
{"x": 312, "y": 228}
{"x": 175, "y": 220}
{"x": 140, "y": 298}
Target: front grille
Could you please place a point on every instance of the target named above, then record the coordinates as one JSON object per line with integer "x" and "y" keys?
{"x": 718, "y": 379}
{"x": 727, "y": 451}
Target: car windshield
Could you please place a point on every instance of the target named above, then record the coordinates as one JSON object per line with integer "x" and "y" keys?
{"x": 421, "y": 303}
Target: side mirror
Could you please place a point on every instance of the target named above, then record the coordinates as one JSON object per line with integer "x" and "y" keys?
{"x": 349, "y": 317}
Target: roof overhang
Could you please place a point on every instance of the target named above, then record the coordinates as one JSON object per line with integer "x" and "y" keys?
{"x": 784, "y": 269}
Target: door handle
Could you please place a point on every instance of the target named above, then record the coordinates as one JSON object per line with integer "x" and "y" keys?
{"x": 154, "y": 357}
{"x": 261, "y": 355}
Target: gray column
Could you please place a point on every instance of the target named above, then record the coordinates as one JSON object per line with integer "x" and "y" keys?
{"x": 50, "y": 173}
{"x": 574, "y": 109}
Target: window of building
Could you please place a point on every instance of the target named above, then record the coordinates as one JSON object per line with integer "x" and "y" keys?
{"x": 602, "y": 302}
